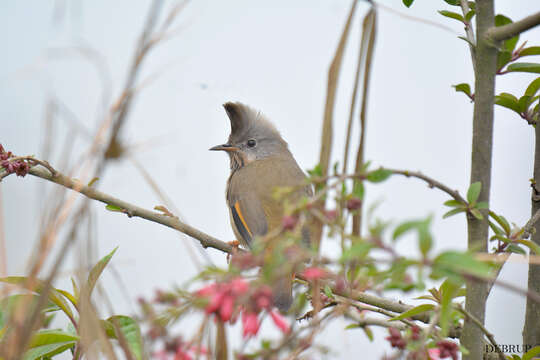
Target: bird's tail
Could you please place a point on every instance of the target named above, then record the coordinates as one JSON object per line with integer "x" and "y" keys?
{"x": 282, "y": 293}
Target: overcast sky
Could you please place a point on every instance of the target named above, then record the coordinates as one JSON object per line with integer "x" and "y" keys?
{"x": 274, "y": 56}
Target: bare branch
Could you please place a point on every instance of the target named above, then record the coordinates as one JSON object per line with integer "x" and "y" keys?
{"x": 500, "y": 33}
{"x": 133, "y": 210}
{"x": 431, "y": 183}
{"x": 481, "y": 326}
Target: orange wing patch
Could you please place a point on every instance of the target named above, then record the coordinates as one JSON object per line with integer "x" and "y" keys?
{"x": 240, "y": 223}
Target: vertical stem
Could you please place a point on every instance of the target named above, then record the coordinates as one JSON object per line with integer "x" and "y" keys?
{"x": 481, "y": 155}
{"x": 370, "y": 25}
{"x": 531, "y": 329}
{"x": 327, "y": 127}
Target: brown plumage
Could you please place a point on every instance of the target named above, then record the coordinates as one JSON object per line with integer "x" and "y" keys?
{"x": 260, "y": 162}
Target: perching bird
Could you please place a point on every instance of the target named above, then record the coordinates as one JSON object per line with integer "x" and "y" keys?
{"x": 260, "y": 162}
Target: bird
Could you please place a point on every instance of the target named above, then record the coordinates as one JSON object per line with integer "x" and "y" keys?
{"x": 260, "y": 162}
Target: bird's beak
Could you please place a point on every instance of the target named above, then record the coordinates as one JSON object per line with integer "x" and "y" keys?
{"x": 224, "y": 147}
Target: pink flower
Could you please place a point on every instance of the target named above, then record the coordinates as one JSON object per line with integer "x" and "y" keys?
{"x": 226, "y": 308}
{"x": 215, "y": 302}
{"x": 314, "y": 273}
{"x": 263, "y": 298}
{"x": 239, "y": 286}
{"x": 434, "y": 353}
{"x": 289, "y": 222}
{"x": 250, "y": 324}
{"x": 207, "y": 290}
{"x": 354, "y": 204}
{"x": 182, "y": 355}
{"x": 280, "y": 321}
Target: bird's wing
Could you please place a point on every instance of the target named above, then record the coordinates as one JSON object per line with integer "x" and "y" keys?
{"x": 247, "y": 214}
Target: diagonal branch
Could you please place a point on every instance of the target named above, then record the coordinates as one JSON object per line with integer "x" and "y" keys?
{"x": 505, "y": 32}
{"x": 132, "y": 210}
{"x": 432, "y": 183}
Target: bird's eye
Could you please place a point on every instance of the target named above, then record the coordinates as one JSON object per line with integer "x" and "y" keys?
{"x": 251, "y": 143}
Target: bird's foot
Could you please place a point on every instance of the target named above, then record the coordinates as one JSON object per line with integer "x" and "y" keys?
{"x": 235, "y": 245}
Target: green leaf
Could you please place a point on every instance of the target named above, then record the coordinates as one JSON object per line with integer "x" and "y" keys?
{"x": 407, "y": 3}
{"x": 378, "y": 175}
{"x": 357, "y": 251}
{"x": 92, "y": 182}
{"x": 46, "y": 343}
{"x": 368, "y": 333}
{"x": 452, "y": 15}
{"x": 453, "y": 212}
{"x": 477, "y": 214}
{"x": 524, "y": 67}
{"x": 533, "y": 87}
{"x": 425, "y": 240}
{"x": 68, "y": 296}
{"x": 474, "y": 192}
{"x": 452, "y": 2}
{"x": 114, "y": 208}
{"x": 509, "y": 44}
{"x": 316, "y": 171}
{"x": 45, "y": 337}
{"x": 470, "y": 15}
{"x": 464, "y": 88}
{"x": 529, "y": 355}
{"x": 501, "y": 221}
{"x": 508, "y": 101}
{"x": 501, "y": 238}
{"x": 414, "y": 311}
{"x": 130, "y": 331}
{"x": 513, "y": 248}
{"x": 528, "y": 51}
{"x": 328, "y": 292}
{"x": 76, "y": 291}
{"x": 531, "y": 245}
{"x": 524, "y": 103}
{"x": 454, "y": 264}
{"x": 466, "y": 40}
{"x": 497, "y": 230}
{"x": 54, "y": 295}
{"x": 454, "y": 203}
{"x": 358, "y": 189}
{"x": 10, "y": 304}
{"x": 503, "y": 58}
{"x": 48, "y": 350}
{"x": 97, "y": 270}
{"x": 404, "y": 227}
{"x": 482, "y": 205}
{"x": 448, "y": 290}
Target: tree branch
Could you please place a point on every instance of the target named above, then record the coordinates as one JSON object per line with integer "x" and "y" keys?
{"x": 432, "y": 183}
{"x": 500, "y": 33}
{"x": 481, "y": 326}
{"x": 481, "y": 159}
{"x": 205, "y": 239}
{"x": 133, "y": 210}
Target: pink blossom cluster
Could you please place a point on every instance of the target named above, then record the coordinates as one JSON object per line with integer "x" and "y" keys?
{"x": 445, "y": 348}
{"x": 177, "y": 349}
{"x": 229, "y": 299}
{"x": 19, "y": 167}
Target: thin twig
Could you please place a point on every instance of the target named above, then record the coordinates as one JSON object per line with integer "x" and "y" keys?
{"x": 431, "y": 183}
{"x": 481, "y": 326}
{"x": 370, "y": 25}
{"x": 469, "y": 31}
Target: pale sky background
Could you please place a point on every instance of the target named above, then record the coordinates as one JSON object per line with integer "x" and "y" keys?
{"x": 273, "y": 55}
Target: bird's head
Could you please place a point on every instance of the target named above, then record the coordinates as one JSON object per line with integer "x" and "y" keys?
{"x": 253, "y": 137}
